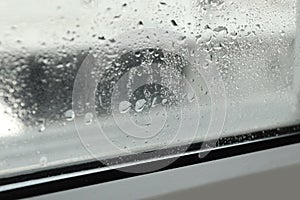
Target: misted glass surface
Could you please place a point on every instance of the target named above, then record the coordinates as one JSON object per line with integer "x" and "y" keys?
{"x": 81, "y": 79}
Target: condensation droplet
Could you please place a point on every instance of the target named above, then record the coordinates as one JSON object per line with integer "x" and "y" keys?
{"x": 59, "y": 66}
{"x": 124, "y": 106}
{"x": 198, "y": 39}
{"x": 220, "y": 29}
{"x": 139, "y": 105}
{"x": 181, "y": 39}
{"x": 233, "y": 35}
{"x": 41, "y": 125}
{"x": 154, "y": 102}
{"x": 137, "y": 54}
{"x": 42, "y": 128}
{"x": 164, "y": 101}
{"x": 43, "y": 161}
{"x": 174, "y": 23}
{"x": 88, "y": 118}
{"x": 70, "y": 115}
{"x": 191, "y": 97}
{"x": 140, "y": 24}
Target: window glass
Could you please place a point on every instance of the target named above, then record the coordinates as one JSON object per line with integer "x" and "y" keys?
{"x": 90, "y": 79}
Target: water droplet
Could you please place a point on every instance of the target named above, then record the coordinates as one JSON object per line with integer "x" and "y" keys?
{"x": 70, "y": 115}
{"x": 139, "y": 105}
{"x": 43, "y": 161}
{"x": 88, "y": 118}
{"x": 174, "y": 22}
{"x": 206, "y": 65}
{"x": 154, "y": 102}
{"x": 41, "y": 125}
{"x": 198, "y": 39}
{"x": 124, "y": 106}
{"x": 140, "y": 24}
{"x": 42, "y": 128}
{"x": 207, "y": 27}
{"x": 233, "y": 35}
{"x": 220, "y": 29}
{"x": 59, "y": 66}
{"x": 137, "y": 54}
{"x": 191, "y": 97}
{"x": 181, "y": 39}
{"x": 164, "y": 101}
